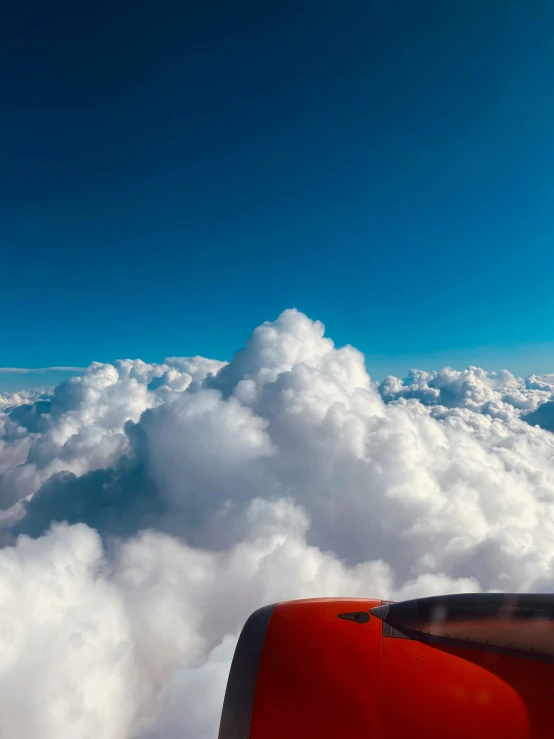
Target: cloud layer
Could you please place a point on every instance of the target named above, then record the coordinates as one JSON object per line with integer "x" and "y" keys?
{"x": 27, "y": 370}
{"x": 146, "y": 510}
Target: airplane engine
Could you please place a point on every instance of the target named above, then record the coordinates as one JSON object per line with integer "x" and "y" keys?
{"x": 448, "y": 667}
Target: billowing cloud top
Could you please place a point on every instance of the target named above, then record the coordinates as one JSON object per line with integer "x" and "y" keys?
{"x": 146, "y": 510}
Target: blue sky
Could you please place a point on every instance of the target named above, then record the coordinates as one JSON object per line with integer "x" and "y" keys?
{"x": 175, "y": 173}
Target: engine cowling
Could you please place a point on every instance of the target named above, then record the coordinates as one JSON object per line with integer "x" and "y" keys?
{"x": 334, "y": 668}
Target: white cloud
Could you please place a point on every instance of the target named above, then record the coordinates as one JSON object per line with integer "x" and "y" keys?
{"x": 27, "y": 370}
{"x": 67, "y": 667}
{"x": 198, "y": 490}
{"x": 19, "y": 397}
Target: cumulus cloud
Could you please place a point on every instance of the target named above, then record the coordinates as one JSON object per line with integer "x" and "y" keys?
{"x": 20, "y": 397}
{"x": 147, "y": 509}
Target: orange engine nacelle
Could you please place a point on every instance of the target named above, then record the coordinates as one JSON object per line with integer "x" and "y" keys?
{"x": 329, "y": 668}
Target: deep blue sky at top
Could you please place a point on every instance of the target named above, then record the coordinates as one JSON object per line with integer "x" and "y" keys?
{"x": 174, "y": 173}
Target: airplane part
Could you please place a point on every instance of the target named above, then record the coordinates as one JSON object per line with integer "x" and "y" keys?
{"x": 457, "y": 666}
